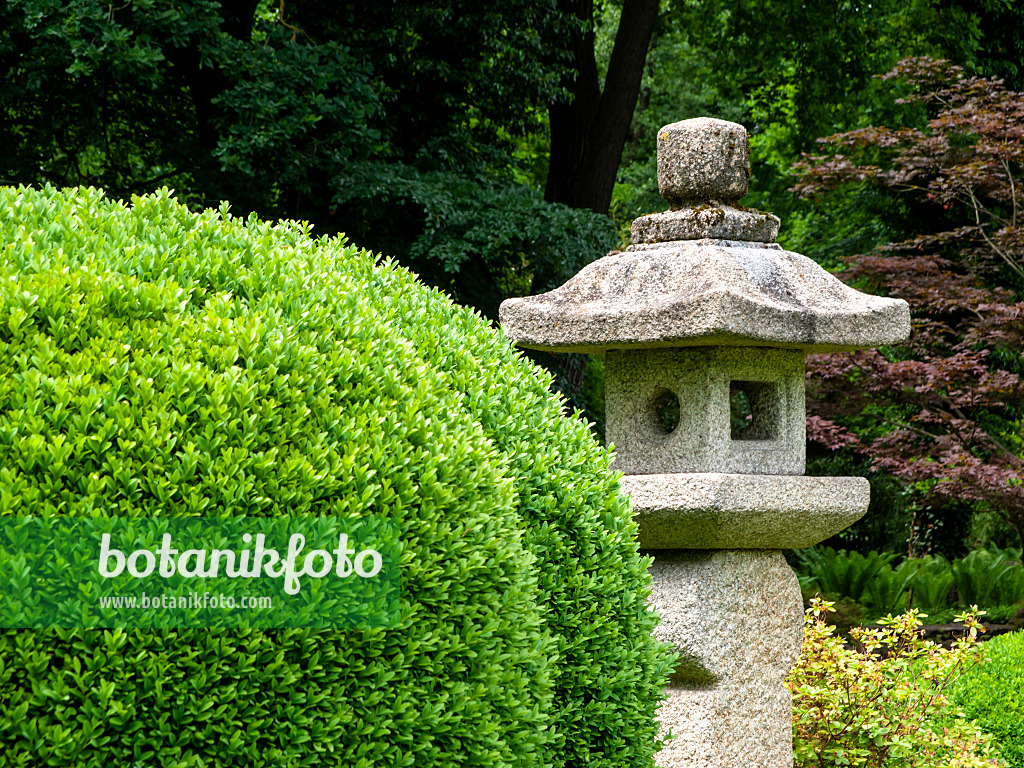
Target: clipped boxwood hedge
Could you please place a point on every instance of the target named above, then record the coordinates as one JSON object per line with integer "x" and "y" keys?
{"x": 993, "y": 694}
{"x": 153, "y": 360}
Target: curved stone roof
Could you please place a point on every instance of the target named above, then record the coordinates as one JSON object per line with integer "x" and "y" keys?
{"x": 704, "y": 273}
{"x": 704, "y": 292}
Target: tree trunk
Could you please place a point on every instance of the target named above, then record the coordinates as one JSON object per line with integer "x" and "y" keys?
{"x": 206, "y": 83}
{"x": 588, "y": 130}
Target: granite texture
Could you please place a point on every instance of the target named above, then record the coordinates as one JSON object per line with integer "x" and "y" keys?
{"x": 703, "y": 159}
{"x": 704, "y": 220}
{"x": 704, "y": 292}
{"x": 736, "y": 618}
{"x": 703, "y": 379}
{"x": 702, "y": 307}
{"x": 723, "y": 511}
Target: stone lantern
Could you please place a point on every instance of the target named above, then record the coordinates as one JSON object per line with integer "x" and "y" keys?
{"x": 704, "y": 323}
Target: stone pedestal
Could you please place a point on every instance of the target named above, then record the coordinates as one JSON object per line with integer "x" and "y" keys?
{"x": 702, "y": 308}
{"x": 735, "y": 618}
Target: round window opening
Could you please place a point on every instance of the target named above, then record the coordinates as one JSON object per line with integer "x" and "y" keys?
{"x": 666, "y": 411}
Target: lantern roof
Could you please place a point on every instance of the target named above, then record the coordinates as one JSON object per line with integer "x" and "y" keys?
{"x": 705, "y": 272}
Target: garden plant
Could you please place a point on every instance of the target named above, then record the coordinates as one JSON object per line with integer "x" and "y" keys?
{"x": 991, "y": 578}
{"x": 157, "y": 361}
{"x": 993, "y": 694}
{"x": 855, "y": 706}
{"x": 943, "y": 411}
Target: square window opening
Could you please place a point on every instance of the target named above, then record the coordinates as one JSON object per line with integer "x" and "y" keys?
{"x": 755, "y": 412}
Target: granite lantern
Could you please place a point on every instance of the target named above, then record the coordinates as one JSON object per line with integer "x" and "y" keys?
{"x": 704, "y": 323}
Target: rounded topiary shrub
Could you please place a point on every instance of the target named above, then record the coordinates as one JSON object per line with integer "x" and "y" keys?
{"x": 992, "y": 693}
{"x": 157, "y": 361}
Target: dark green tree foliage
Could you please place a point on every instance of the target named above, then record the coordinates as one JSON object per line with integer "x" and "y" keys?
{"x": 157, "y": 361}
{"x": 791, "y": 72}
{"x": 457, "y": 78}
{"x": 461, "y": 83}
{"x": 483, "y": 242}
{"x": 203, "y": 96}
{"x": 390, "y": 122}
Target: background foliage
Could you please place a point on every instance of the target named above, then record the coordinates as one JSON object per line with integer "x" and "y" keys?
{"x": 876, "y": 584}
{"x": 473, "y": 142}
{"x": 942, "y": 412}
{"x": 396, "y": 124}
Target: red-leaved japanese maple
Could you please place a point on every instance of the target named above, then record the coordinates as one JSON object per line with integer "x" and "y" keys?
{"x": 942, "y": 412}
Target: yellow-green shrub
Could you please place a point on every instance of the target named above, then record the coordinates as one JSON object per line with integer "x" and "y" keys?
{"x": 882, "y": 704}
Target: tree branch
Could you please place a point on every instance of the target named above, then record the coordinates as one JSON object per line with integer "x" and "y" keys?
{"x": 1013, "y": 192}
{"x": 977, "y": 217}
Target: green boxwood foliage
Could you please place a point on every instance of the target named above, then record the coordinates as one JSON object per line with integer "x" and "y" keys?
{"x": 993, "y": 694}
{"x": 157, "y": 361}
